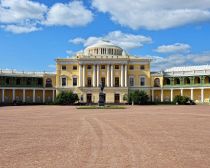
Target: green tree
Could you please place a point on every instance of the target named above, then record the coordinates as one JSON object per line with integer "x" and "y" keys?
{"x": 182, "y": 100}
{"x": 138, "y": 97}
{"x": 66, "y": 98}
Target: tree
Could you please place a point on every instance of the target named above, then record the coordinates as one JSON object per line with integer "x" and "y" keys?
{"x": 181, "y": 100}
{"x": 138, "y": 97}
{"x": 66, "y": 98}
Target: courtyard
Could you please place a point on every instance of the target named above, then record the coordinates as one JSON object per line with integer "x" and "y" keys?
{"x": 138, "y": 136}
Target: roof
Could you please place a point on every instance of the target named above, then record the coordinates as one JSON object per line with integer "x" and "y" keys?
{"x": 188, "y": 68}
{"x": 104, "y": 44}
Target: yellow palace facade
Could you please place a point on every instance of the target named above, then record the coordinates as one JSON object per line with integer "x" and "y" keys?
{"x": 109, "y": 64}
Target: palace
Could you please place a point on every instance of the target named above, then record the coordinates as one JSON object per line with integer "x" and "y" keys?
{"x": 109, "y": 64}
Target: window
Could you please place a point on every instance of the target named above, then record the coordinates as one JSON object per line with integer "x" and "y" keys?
{"x": 63, "y": 80}
{"x": 39, "y": 82}
{"x": 74, "y": 67}
{"x": 89, "y": 67}
{"x": 18, "y": 81}
{"x": 48, "y": 82}
{"x": 29, "y": 81}
{"x": 142, "y": 81}
{"x": 117, "y": 67}
{"x": 142, "y": 67}
{"x": 131, "y": 81}
{"x": 131, "y": 67}
{"x": 74, "y": 81}
{"x": 103, "y": 81}
{"x": 157, "y": 82}
{"x": 63, "y": 67}
{"x": 7, "y": 81}
{"x": 103, "y": 67}
{"x": 117, "y": 82}
{"x": 89, "y": 82}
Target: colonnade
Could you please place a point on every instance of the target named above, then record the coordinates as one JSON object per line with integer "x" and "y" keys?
{"x": 109, "y": 75}
{"x": 24, "y": 94}
{"x": 181, "y": 91}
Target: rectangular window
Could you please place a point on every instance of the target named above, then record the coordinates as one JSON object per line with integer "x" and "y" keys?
{"x": 103, "y": 81}
{"x": 142, "y": 81}
{"x": 131, "y": 67}
{"x": 7, "y": 81}
{"x": 18, "y": 81}
{"x": 117, "y": 67}
{"x": 29, "y": 81}
{"x": 63, "y": 81}
{"x": 142, "y": 67}
{"x": 39, "y": 82}
{"x": 117, "y": 82}
{"x": 103, "y": 67}
{"x": 131, "y": 81}
{"x": 89, "y": 67}
{"x": 74, "y": 81}
{"x": 89, "y": 82}
{"x": 64, "y": 67}
{"x": 74, "y": 67}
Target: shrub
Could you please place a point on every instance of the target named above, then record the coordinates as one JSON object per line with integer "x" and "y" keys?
{"x": 66, "y": 98}
{"x": 138, "y": 97}
{"x": 182, "y": 100}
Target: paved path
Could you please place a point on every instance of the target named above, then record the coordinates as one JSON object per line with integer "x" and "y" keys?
{"x": 137, "y": 137}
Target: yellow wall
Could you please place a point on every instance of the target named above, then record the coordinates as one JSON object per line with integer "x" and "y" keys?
{"x": 167, "y": 95}
{"x": 29, "y": 95}
{"x": 52, "y": 77}
{"x": 207, "y": 95}
{"x": 187, "y": 92}
{"x": 8, "y": 96}
{"x": 197, "y": 95}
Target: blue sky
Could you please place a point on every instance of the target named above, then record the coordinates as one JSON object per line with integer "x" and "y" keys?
{"x": 34, "y": 33}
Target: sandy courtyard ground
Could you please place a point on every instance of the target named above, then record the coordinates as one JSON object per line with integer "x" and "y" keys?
{"x": 137, "y": 137}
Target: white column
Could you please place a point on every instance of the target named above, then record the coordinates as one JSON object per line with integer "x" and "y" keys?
{"x": 161, "y": 95}
{"x": 13, "y": 94}
{"x": 2, "y": 96}
{"x": 202, "y": 95}
{"x": 108, "y": 76}
{"x": 34, "y": 96}
{"x": 24, "y": 95}
{"x": 172, "y": 95}
{"x": 181, "y": 92}
{"x": 153, "y": 95}
{"x": 80, "y": 75}
{"x": 98, "y": 75}
{"x": 53, "y": 98}
{"x": 112, "y": 75}
{"x": 122, "y": 74}
{"x": 43, "y": 96}
{"x": 83, "y": 74}
{"x": 94, "y": 76}
{"x": 192, "y": 94}
{"x": 126, "y": 75}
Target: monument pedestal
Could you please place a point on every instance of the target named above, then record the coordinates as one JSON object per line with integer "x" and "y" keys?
{"x": 101, "y": 101}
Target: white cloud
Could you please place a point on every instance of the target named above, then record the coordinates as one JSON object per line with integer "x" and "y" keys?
{"x": 18, "y": 29}
{"x": 71, "y": 14}
{"x": 155, "y": 15}
{"x": 126, "y": 41}
{"x": 16, "y": 11}
{"x": 174, "y": 48}
{"x": 24, "y": 16}
{"x": 179, "y": 60}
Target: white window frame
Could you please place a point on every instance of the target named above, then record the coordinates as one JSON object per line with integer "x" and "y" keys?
{"x": 62, "y": 81}
{"x": 142, "y": 77}
{"x": 74, "y": 77}
{"x": 133, "y": 81}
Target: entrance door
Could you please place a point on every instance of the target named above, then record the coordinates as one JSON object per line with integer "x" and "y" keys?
{"x": 117, "y": 98}
{"x": 89, "y": 98}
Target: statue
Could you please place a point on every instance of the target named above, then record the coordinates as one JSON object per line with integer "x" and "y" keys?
{"x": 101, "y": 101}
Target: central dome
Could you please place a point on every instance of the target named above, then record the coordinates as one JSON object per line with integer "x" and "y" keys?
{"x": 104, "y": 48}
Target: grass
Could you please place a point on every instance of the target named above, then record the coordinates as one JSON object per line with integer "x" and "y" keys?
{"x": 101, "y": 107}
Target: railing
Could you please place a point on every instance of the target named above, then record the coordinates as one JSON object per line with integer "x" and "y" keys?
{"x": 9, "y": 71}
{"x": 188, "y": 85}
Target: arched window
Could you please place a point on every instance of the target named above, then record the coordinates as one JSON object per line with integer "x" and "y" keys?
{"x": 167, "y": 81}
{"x": 187, "y": 81}
{"x": 177, "y": 81}
{"x": 197, "y": 80}
{"x": 157, "y": 82}
{"x": 48, "y": 82}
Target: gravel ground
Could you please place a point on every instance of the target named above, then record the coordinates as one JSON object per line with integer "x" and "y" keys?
{"x": 137, "y": 137}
